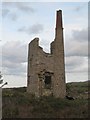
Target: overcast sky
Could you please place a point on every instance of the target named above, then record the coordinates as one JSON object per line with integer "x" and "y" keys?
{"x": 23, "y": 21}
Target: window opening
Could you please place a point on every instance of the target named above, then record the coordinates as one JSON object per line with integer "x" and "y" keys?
{"x": 47, "y": 82}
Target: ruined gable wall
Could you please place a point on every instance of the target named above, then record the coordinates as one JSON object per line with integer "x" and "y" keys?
{"x": 32, "y": 78}
{"x": 38, "y": 63}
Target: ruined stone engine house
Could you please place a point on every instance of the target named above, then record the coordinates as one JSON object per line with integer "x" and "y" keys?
{"x": 46, "y": 71}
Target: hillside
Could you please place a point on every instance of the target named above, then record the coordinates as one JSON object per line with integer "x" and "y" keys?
{"x": 17, "y": 103}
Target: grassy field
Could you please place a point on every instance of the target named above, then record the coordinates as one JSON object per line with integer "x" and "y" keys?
{"x": 17, "y": 103}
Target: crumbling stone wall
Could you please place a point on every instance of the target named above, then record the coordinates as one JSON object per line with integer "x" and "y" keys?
{"x": 46, "y": 71}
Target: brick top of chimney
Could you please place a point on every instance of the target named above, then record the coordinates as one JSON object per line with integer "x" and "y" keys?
{"x": 59, "y": 19}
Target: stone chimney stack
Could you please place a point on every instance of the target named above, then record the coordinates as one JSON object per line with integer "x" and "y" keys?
{"x": 58, "y": 53}
{"x": 59, "y": 24}
{"x": 59, "y": 19}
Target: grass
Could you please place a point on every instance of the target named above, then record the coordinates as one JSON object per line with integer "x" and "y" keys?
{"x": 17, "y": 103}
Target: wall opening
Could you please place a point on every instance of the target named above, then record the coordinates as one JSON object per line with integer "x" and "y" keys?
{"x": 47, "y": 81}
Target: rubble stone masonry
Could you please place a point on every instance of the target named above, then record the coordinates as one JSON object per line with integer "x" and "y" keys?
{"x": 46, "y": 71}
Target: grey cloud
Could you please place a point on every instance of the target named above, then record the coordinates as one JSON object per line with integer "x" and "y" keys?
{"x": 34, "y": 29}
{"x": 45, "y": 44}
{"x": 24, "y": 7}
{"x": 5, "y": 12}
{"x": 73, "y": 61}
{"x": 37, "y": 28}
{"x": 14, "y": 16}
{"x": 80, "y": 35}
{"x": 12, "y": 8}
{"x": 14, "y": 56}
{"x": 22, "y": 29}
{"x": 17, "y": 70}
{"x": 78, "y": 44}
{"x": 76, "y": 52}
{"x": 76, "y": 64}
{"x": 78, "y": 8}
{"x": 8, "y": 13}
{"x": 77, "y": 49}
{"x": 15, "y": 50}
